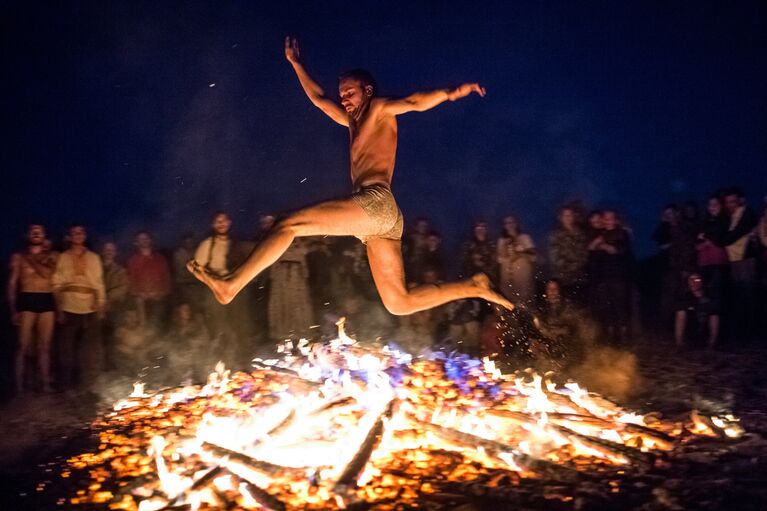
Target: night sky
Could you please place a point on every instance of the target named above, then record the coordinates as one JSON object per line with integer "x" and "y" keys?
{"x": 128, "y": 115}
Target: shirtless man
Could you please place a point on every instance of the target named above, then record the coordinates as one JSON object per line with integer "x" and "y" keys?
{"x": 33, "y": 308}
{"x": 370, "y": 214}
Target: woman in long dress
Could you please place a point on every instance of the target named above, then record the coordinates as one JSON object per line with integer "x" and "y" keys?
{"x": 290, "y": 306}
{"x": 516, "y": 257}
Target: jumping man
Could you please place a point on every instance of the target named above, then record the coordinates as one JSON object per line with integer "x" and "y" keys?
{"x": 371, "y": 213}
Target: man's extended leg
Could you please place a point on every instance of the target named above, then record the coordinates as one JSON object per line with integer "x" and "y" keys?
{"x": 385, "y": 257}
{"x": 332, "y": 218}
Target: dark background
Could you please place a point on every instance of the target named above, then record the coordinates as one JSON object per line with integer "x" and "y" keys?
{"x": 111, "y": 117}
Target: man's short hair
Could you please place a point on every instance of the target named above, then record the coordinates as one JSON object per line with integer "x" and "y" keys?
{"x": 734, "y": 190}
{"x": 361, "y": 75}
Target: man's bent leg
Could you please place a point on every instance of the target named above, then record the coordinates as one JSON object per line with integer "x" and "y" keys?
{"x": 385, "y": 257}
{"x": 332, "y": 218}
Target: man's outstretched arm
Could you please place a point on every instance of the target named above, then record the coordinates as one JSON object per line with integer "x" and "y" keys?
{"x": 422, "y": 101}
{"x": 311, "y": 88}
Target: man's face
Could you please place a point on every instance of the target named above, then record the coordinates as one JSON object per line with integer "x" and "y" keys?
{"x": 510, "y": 224}
{"x": 265, "y": 222}
{"x": 731, "y": 203}
{"x": 596, "y": 221}
{"x": 143, "y": 241}
{"x": 109, "y": 252}
{"x": 433, "y": 242}
{"x": 552, "y": 292}
{"x": 352, "y": 94}
{"x": 221, "y": 224}
{"x": 714, "y": 207}
{"x": 480, "y": 231}
{"x": 567, "y": 218}
{"x": 695, "y": 282}
{"x": 36, "y": 235}
{"x": 610, "y": 220}
{"x": 77, "y": 235}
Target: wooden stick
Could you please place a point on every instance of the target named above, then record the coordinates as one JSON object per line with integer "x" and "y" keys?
{"x": 360, "y": 459}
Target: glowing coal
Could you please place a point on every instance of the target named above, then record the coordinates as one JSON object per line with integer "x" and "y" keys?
{"x": 344, "y": 424}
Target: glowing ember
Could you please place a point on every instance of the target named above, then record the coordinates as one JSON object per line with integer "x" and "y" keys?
{"x": 342, "y": 424}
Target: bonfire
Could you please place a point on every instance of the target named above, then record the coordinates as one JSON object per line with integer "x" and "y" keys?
{"x": 347, "y": 425}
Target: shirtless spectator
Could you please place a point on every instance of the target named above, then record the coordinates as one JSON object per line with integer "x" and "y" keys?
{"x": 149, "y": 281}
{"x": 78, "y": 285}
{"x": 30, "y": 295}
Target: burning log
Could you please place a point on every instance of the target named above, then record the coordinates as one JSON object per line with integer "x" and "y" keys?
{"x": 200, "y": 483}
{"x": 357, "y": 464}
{"x": 263, "y": 497}
{"x": 284, "y": 424}
{"x": 261, "y": 466}
{"x": 524, "y": 461}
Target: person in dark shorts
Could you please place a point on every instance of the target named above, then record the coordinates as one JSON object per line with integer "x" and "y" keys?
{"x": 33, "y": 308}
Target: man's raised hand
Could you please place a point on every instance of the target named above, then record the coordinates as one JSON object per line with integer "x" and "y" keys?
{"x": 464, "y": 90}
{"x": 291, "y": 49}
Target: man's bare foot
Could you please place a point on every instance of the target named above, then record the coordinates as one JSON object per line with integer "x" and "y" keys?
{"x": 222, "y": 289}
{"x": 481, "y": 283}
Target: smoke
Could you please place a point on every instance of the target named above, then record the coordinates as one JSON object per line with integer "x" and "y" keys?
{"x": 609, "y": 371}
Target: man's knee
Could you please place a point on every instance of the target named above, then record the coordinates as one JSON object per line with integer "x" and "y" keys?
{"x": 398, "y": 305}
{"x": 293, "y": 225}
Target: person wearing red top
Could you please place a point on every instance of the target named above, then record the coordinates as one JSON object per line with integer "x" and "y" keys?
{"x": 149, "y": 281}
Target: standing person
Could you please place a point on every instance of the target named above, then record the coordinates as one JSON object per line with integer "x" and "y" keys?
{"x": 149, "y": 281}
{"x": 479, "y": 253}
{"x": 371, "y": 213}
{"x": 319, "y": 263}
{"x": 516, "y": 258}
{"x": 78, "y": 285}
{"x": 697, "y": 311}
{"x": 712, "y": 256}
{"x": 116, "y": 287}
{"x": 433, "y": 257}
{"x": 219, "y": 254}
{"x": 740, "y": 247}
{"x": 414, "y": 247}
{"x": 290, "y": 307}
{"x": 187, "y": 288}
{"x": 761, "y": 235}
{"x": 261, "y": 285}
{"x": 568, "y": 255}
{"x": 611, "y": 251}
{"x": 30, "y": 297}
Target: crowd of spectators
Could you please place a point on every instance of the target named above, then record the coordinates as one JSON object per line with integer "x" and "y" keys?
{"x": 83, "y": 313}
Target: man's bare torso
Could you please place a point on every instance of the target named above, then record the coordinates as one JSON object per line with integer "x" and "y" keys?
{"x": 30, "y": 279}
{"x": 373, "y": 146}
